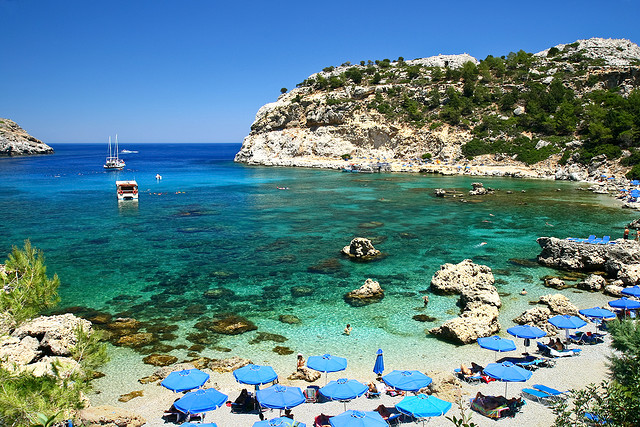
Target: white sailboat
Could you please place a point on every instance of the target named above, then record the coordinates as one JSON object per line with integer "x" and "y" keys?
{"x": 114, "y": 162}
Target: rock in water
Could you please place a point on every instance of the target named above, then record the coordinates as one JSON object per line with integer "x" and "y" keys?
{"x": 361, "y": 249}
{"x": 369, "y": 293}
{"x": 15, "y": 141}
{"x": 479, "y": 190}
{"x": 232, "y": 325}
{"x": 478, "y": 296}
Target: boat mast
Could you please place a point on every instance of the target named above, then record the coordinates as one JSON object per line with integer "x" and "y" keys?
{"x": 116, "y": 146}
{"x": 109, "y": 146}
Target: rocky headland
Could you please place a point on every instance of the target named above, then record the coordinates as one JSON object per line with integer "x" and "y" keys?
{"x": 434, "y": 114}
{"x": 15, "y": 141}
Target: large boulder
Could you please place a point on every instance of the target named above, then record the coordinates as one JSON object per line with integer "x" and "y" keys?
{"x": 483, "y": 293}
{"x": 628, "y": 273}
{"x": 53, "y": 366}
{"x": 479, "y": 190}
{"x": 444, "y": 386}
{"x": 109, "y": 416}
{"x": 594, "y": 282}
{"x": 471, "y": 325}
{"x": 571, "y": 255}
{"x": 370, "y": 292}
{"x": 555, "y": 283}
{"x": 15, "y": 352}
{"x": 56, "y": 333}
{"x": 306, "y": 374}
{"x": 559, "y": 304}
{"x": 453, "y": 278}
{"x": 549, "y": 306}
{"x": 361, "y": 249}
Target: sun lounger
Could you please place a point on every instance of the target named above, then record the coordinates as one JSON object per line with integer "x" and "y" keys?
{"x": 590, "y": 239}
{"x": 549, "y": 390}
{"x": 537, "y": 396}
{"x": 471, "y": 379}
{"x": 311, "y": 394}
{"x": 552, "y": 352}
{"x": 605, "y": 240}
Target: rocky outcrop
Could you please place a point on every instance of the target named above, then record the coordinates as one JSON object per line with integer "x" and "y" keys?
{"x": 570, "y": 255}
{"x": 478, "y": 297}
{"x": 15, "y": 141}
{"x": 592, "y": 283}
{"x": 549, "y": 306}
{"x": 444, "y": 385}
{"x": 477, "y": 189}
{"x": 109, "y": 416}
{"x": 361, "y": 249}
{"x": 376, "y": 112}
{"x": 38, "y": 343}
{"x": 370, "y": 292}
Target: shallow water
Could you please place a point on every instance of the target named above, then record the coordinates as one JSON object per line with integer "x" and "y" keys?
{"x": 210, "y": 223}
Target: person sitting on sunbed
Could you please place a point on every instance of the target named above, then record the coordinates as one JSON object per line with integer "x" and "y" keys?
{"x": 465, "y": 371}
{"x": 558, "y": 345}
{"x": 372, "y": 387}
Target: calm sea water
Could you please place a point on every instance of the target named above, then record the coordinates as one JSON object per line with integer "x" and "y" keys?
{"x": 212, "y": 224}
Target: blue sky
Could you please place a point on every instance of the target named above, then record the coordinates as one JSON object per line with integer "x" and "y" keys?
{"x": 197, "y": 71}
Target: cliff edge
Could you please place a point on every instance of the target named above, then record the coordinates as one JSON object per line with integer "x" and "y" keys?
{"x": 15, "y": 141}
{"x": 539, "y": 114}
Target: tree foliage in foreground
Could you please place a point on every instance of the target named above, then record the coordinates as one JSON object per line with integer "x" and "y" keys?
{"x": 26, "y": 289}
{"x": 615, "y": 402}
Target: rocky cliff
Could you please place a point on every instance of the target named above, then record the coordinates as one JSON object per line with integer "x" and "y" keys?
{"x": 526, "y": 111}
{"x": 15, "y": 141}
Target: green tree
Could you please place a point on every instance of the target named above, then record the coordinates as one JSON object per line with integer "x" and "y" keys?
{"x": 283, "y": 90}
{"x": 436, "y": 74}
{"x": 354, "y": 74}
{"x": 27, "y": 289}
{"x": 376, "y": 78}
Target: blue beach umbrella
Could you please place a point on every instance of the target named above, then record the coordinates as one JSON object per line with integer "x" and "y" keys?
{"x": 507, "y": 372}
{"x": 378, "y": 366}
{"x": 280, "y": 397}
{"x": 527, "y": 332}
{"x": 634, "y": 193}
{"x": 279, "y": 422}
{"x": 185, "y": 380}
{"x": 496, "y": 344}
{"x": 255, "y": 375}
{"x": 199, "y": 425}
{"x": 633, "y": 291}
{"x": 358, "y": 419}
{"x": 567, "y": 322}
{"x": 199, "y": 401}
{"x": 343, "y": 389}
{"x": 625, "y": 304}
{"x": 597, "y": 313}
{"x": 423, "y": 406}
{"x": 406, "y": 380}
{"x": 327, "y": 363}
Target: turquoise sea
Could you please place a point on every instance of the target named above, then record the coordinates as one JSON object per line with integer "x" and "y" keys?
{"x": 212, "y": 224}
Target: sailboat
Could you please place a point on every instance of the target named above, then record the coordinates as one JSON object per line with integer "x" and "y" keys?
{"x": 114, "y": 162}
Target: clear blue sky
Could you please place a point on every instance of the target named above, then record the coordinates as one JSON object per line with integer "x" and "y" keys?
{"x": 197, "y": 71}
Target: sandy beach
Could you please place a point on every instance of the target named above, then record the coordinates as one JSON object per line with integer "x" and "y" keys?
{"x": 568, "y": 373}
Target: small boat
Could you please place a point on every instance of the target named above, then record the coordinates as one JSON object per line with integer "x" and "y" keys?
{"x": 114, "y": 162}
{"x": 158, "y": 176}
{"x": 127, "y": 190}
{"x": 129, "y": 152}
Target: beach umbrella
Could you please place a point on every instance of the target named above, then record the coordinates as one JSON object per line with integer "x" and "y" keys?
{"x": 496, "y": 344}
{"x": 423, "y": 406}
{"x": 378, "y": 366}
{"x": 255, "y": 375}
{"x": 634, "y": 193}
{"x": 633, "y": 291}
{"x": 597, "y": 313}
{"x": 625, "y": 304}
{"x": 343, "y": 389}
{"x": 327, "y": 363}
{"x": 358, "y": 419}
{"x": 406, "y": 380}
{"x": 567, "y": 322}
{"x": 185, "y": 380}
{"x": 199, "y": 425}
{"x": 527, "y": 332}
{"x": 280, "y": 397}
{"x": 199, "y": 401}
{"x": 507, "y": 372}
{"x": 279, "y": 422}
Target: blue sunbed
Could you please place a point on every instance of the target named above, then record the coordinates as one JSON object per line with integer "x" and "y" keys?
{"x": 537, "y": 396}
{"x": 605, "y": 240}
{"x": 549, "y": 390}
{"x": 590, "y": 239}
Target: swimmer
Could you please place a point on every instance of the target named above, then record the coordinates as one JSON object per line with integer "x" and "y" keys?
{"x": 491, "y": 215}
{"x": 548, "y": 225}
{"x": 482, "y": 244}
{"x": 347, "y": 330}
{"x": 523, "y": 292}
{"x": 426, "y": 300}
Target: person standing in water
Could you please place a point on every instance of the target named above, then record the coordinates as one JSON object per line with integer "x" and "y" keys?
{"x": 347, "y": 329}
{"x": 625, "y": 236}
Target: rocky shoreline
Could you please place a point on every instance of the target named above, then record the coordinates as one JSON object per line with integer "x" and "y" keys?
{"x": 15, "y": 141}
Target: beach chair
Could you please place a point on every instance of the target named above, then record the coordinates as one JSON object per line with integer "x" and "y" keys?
{"x": 475, "y": 378}
{"x": 552, "y": 352}
{"x": 550, "y": 391}
{"x": 537, "y": 396}
{"x": 605, "y": 240}
{"x": 590, "y": 239}
{"x": 532, "y": 364}
{"x": 311, "y": 394}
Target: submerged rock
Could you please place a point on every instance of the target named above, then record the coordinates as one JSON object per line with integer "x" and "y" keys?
{"x": 370, "y": 292}
{"x": 289, "y": 319}
{"x": 302, "y": 291}
{"x": 361, "y": 249}
{"x": 266, "y": 336}
{"x": 228, "y": 365}
{"x": 160, "y": 359}
{"x": 132, "y": 395}
{"x": 281, "y": 350}
{"x": 232, "y": 325}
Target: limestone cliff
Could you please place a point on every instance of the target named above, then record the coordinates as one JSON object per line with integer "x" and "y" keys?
{"x": 15, "y": 141}
{"x": 418, "y": 113}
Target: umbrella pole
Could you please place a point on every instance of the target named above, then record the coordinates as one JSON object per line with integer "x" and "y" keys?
{"x": 505, "y": 389}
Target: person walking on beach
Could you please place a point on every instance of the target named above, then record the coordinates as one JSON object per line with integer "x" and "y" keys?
{"x": 625, "y": 236}
{"x": 347, "y": 329}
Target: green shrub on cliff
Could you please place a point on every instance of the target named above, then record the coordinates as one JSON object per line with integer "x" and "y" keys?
{"x": 27, "y": 289}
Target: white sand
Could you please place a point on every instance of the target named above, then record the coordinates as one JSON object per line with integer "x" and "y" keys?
{"x": 569, "y": 372}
